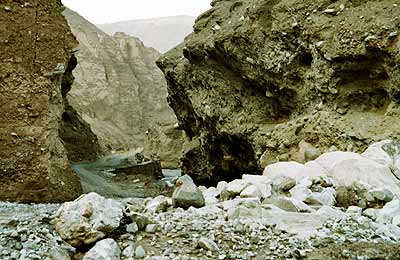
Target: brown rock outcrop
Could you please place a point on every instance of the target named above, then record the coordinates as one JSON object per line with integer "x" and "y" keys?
{"x": 121, "y": 92}
{"x": 36, "y": 47}
{"x": 258, "y": 77}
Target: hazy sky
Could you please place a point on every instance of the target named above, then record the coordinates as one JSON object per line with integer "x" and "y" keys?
{"x": 107, "y": 11}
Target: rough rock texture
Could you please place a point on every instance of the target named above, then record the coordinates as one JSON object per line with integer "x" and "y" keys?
{"x": 187, "y": 194}
{"x": 79, "y": 140}
{"x": 88, "y": 219}
{"x": 258, "y": 77}
{"x": 122, "y": 94}
{"x": 162, "y": 33}
{"x": 36, "y": 51}
{"x": 105, "y": 249}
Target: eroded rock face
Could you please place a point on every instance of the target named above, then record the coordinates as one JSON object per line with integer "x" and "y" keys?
{"x": 258, "y": 77}
{"x": 122, "y": 94}
{"x": 79, "y": 140}
{"x": 36, "y": 49}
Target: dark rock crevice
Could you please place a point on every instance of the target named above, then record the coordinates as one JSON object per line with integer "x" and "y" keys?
{"x": 79, "y": 140}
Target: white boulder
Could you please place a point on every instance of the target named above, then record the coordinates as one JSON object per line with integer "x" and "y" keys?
{"x": 158, "y": 204}
{"x": 288, "y": 169}
{"x": 210, "y": 196}
{"x": 371, "y": 213}
{"x": 376, "y": 153}
{"x": 243, "y": 208}
{"x": 87, "y": 219}
{"x": 331, "y": 212}
{"x": 237, "y": 186}
{"x": 348, "y": 168}
{"x": 326, "y": 197}
{"x": 208, "y": 244}
{"x": 251, "y": 191}
{"x": 263, "y": 183}
{"x": 388, "y": 212}
{"x": 289, "y": 204}
{"x": 300, "y": 192}
{"x": 354, "y": 211}
{"x": 106, "y": 249}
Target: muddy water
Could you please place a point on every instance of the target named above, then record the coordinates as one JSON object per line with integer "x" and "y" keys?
{"x": 100, "y": 177}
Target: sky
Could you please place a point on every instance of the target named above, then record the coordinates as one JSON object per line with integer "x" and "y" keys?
{"x": 108, "y": 11}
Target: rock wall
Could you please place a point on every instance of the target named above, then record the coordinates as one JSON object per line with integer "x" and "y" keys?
{"x": 258, "y": 77}
{"x": 122, "y": 94}
{"x": 79, "y": 140}
{"x": 36, "y": 48}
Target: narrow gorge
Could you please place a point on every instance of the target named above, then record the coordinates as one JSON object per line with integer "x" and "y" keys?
{"x": 121, "y": 93}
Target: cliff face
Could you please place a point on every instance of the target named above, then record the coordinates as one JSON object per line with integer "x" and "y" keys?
{"x": 162, "y": 33}
{"x": 258, "y": 77}
{"x": 120, "y": 91}
{"x": 36, "y": 48}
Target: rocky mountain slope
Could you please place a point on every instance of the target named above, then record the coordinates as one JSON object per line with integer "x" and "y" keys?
{"x": 36, "y": 61}
{"x": 120, "y": 91}
{"x": 260, "y": 80}
{"x": 162, "y": 33}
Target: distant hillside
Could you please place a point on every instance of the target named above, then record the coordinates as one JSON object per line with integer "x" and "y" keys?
{"x": 119, "y": 90}
{"x": 162, "y": 33}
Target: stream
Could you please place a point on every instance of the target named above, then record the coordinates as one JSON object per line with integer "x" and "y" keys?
{"x": 106, "y": 176}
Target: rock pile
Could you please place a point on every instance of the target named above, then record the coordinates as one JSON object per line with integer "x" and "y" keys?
{"x": 284, "y": 214}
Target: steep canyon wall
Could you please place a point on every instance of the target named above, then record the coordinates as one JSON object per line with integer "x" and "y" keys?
{"x": 35, "y": 59}
{"x": 258, "y": 77}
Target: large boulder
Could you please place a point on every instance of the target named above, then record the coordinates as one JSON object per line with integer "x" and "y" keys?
{"x": 187, "y": 194}
{"x": 88, "y": 219}
{"x": 289, "y": 169}
{"x": 387, "y": 153}
{"x": 348, "y": 168}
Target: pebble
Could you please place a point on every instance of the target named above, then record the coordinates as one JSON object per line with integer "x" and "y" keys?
{"x": 140, "y": 252}
{"x": 132, "y": 228}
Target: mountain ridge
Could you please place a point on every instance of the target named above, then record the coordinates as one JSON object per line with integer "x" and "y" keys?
{"x": 161, "y": 33}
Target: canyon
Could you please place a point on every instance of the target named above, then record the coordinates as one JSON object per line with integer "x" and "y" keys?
{"x": 286, "y": 113}
{"x": 121, "y": 93}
